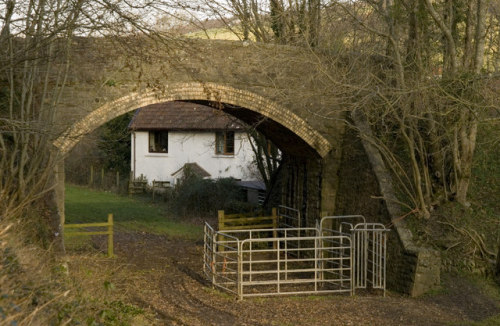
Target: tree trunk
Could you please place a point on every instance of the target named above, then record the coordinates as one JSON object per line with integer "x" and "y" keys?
{"x": 314, "y": 21}
{"x": 468, "y": 45}
{"x": 410, "y": 139}
{"x": 480, "y": 36}
{"x": 450, "y": 51}
{"x": 277, "y": 16}
{"x": 468, "y": 145}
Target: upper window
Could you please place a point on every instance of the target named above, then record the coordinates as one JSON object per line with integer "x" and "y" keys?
{"x": 158, "y": 141}
{"x": 224, "y": 142}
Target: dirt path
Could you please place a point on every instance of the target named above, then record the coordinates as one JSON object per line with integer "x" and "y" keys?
{"x": 167, "y": 277}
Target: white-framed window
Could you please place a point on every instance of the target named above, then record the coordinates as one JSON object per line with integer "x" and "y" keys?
{"x": 158, "y": 141}
{"x": 224, "y": 142}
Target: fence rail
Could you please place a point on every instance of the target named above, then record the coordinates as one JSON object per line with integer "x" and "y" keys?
{"x": 241, "y": 221}
{"x": 69, "y": 231}
{"x": 290, "y": 218}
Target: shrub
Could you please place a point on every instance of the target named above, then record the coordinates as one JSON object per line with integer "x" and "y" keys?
{"x": 195, "y": 196}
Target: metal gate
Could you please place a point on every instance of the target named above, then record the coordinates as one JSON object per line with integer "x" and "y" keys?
{"x": 289, "y": 218}
{"x": 340, "y": 258}
{"x": 369, "y": 242}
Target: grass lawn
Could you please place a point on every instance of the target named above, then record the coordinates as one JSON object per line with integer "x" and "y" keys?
{"x": 85, "y": 205}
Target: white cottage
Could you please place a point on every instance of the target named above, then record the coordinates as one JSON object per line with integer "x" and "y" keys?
{"x": 170, "y": 137}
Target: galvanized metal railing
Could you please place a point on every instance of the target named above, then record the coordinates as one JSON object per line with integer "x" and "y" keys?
{"x": 221, "y": 252}
{"x": 370, "y": 243}
{"x": 293, "y": 260}
{"x": 290, "y": 219}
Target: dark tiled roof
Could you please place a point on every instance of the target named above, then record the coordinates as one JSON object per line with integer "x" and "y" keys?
{"x": 252, "y": 184}
{"x": 182, "y": 116}
{"x": 193, "y": 168}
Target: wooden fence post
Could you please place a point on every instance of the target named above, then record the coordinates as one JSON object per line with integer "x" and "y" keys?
{"x": 91, "y": 181}
{"x": 110, "y": 235}
{"x": 221, "y": 227}
{"x": 221, "y": 219}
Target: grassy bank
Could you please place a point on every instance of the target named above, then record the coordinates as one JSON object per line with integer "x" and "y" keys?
{"x": 85, "y": 205}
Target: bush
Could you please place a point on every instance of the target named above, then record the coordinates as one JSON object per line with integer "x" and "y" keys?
{"x": 195, "y": 196}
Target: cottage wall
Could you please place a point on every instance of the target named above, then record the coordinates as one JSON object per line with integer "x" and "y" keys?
{"x": 191, "y": 147}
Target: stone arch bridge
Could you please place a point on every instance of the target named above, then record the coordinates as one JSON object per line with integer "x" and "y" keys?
{"x": 266, "y": 86}
{"x": 284, "y": 92}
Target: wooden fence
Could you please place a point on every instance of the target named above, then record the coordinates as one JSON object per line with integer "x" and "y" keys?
{"x": 104, "y": 178}
{"x": 245, "y": 222}
{"x": 69, "y": 230}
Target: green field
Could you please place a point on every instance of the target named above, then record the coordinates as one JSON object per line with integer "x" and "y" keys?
{"x": 85, "y": 205}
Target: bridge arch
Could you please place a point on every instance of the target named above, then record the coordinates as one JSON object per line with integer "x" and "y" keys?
{"x": 231, "y": 99}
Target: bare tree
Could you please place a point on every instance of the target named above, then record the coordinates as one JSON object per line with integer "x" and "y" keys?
{"x": 36, "y": 43}
{"x": 433, "y": 101}
{"x": 35, "y": 60}
{"x": 267, "y": 156}
{"x": 416, "y": 70}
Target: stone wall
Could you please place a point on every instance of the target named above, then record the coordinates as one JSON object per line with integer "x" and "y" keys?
{"x": 300, "y": 181}
{"x": 410, "y": 269}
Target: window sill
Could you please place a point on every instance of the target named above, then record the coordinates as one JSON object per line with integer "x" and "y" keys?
{"x": 223, "y": 155}
{"x": 156, "y": 155}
